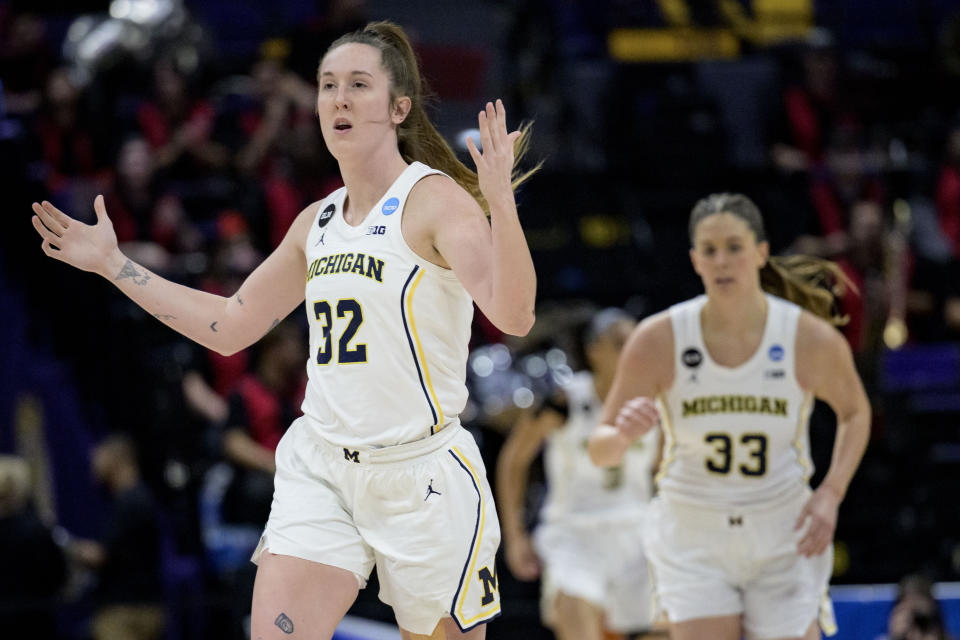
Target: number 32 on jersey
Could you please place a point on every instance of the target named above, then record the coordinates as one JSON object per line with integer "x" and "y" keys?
{"x": 347, "y": 309}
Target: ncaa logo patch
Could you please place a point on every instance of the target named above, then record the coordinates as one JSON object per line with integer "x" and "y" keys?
{"x": 776, "y": 353}
{"x": 390, "y": 206}
{"x": 326, "y": 215}
{"x": 692, "y": 358}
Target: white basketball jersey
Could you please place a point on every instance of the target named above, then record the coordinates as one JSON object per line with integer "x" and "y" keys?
{"x": 734, "y": 436}
{"x": 575, "y": 486}
{"x": 388, "y": 329}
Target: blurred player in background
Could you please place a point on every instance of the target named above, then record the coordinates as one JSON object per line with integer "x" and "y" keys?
{"x": 738, "y": 543}
{"x": 589, "y": 539}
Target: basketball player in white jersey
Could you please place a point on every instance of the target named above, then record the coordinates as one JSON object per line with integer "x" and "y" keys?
{"x": 378, "y": 471}
{"x": 738, "y": 544}
{"x": 589, "y": 538}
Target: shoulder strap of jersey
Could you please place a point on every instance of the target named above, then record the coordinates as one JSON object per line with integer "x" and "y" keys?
{"x": 685, "y": 318}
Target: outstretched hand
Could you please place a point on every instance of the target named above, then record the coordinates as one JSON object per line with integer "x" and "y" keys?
{"x": 84, "y": 246}
{"x": 495, "y": 162}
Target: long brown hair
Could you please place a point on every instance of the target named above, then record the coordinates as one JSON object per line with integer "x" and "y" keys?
{"x": 417, "y": 138}
{"x": 812, "y": 283}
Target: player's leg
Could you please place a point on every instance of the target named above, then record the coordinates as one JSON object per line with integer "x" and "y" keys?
{"x": 293, "y": 597}
{"x": 447, "y": 629}
{"x": 311, "y": 559}
{"x": 577, "y": 560}
{"x": 577, "y": 618}
{"x": 787, "y": 598}
{"x": 695, "y": 582}
{"x": 715, "y": 628}
{"x": 660, "y": 631}
{"x": 812, "y": 633}
{"x": 629, "y": 603}
{"x": 432, "y": 524}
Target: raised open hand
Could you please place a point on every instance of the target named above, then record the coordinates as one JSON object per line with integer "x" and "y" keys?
{"x": 495, "y": 163}
{"x": 84, "y": 246}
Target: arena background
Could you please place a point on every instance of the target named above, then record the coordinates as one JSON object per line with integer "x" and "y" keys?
{"x": 839, "y": 117}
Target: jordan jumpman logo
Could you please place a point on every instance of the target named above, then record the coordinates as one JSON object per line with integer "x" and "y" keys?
{"x": 431, "y": 490}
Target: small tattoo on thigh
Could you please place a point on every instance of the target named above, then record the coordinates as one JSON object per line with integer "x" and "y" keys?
{"x": 285, "y": 623}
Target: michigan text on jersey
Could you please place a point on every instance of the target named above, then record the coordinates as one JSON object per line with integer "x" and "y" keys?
{"x": 360, "y": 263}
{"x": 735, "y": 404}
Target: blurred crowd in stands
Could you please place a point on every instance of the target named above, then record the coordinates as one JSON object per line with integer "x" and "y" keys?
{"x": 196, "y": 121}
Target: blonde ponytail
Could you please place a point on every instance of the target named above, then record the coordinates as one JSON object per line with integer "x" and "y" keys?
{"x": 418, "y": 140}
{"x": 812, "y": 283}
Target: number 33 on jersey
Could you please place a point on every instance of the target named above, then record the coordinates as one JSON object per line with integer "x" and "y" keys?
{"x": 735, "y": 434}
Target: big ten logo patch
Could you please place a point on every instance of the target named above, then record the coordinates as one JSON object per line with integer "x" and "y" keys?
{"x": 376, "y": 230}
{"x": 489, "y": 581}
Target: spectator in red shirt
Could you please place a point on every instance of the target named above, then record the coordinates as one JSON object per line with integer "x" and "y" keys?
{"x": 63, "y": 130}
{"x": 948, "y": 191}
{"x": 179, "y": 127}
{"x": 262, "y": 405}
{"x": 144, "y": 211}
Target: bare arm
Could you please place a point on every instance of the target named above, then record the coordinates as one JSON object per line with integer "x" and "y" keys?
{"x": 203, "y": 399}
{"x": 225, "y": 325}
{"x": 513, "y": 467}
{"x": 825, "y": 367}
{"x": 491, "y": 258}
{"x": 247, "y": 452}
{"x": 645, "y": 369}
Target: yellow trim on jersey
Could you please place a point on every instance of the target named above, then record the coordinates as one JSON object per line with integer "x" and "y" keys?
{"x": 825, "y": 617}
{"x": 469, "y": 576}
{"x": 423, "y": 359}
{"x": 798, "y": 438}
{"x": 669, "y": 441}
{"x": 655, "y": 612}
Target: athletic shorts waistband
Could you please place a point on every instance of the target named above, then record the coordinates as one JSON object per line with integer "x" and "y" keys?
{"x": 395, "y": 453}
{"x": 708, "y": 511}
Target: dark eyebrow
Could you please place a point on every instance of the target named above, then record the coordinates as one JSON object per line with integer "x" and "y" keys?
{"x": 358, "y": 71}
{"x": 731, "y": 238}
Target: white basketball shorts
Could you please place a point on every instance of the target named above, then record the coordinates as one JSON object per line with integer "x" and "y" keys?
{"x": 422, "y": 512}
{"x": 722, "y": 561}
{"x": 600, "y": 562}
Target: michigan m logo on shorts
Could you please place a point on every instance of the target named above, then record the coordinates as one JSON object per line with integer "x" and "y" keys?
{"x": 489, "y": 585}
{"x": 351, "y": 455}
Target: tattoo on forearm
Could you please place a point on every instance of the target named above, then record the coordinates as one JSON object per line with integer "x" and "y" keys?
{"x": 213, "y": 326}
{"x": 285, "y": 623}
{"x": 129, "y": 270}
{"x": 164, "y": 316}
{"x": 239, "y": 299}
